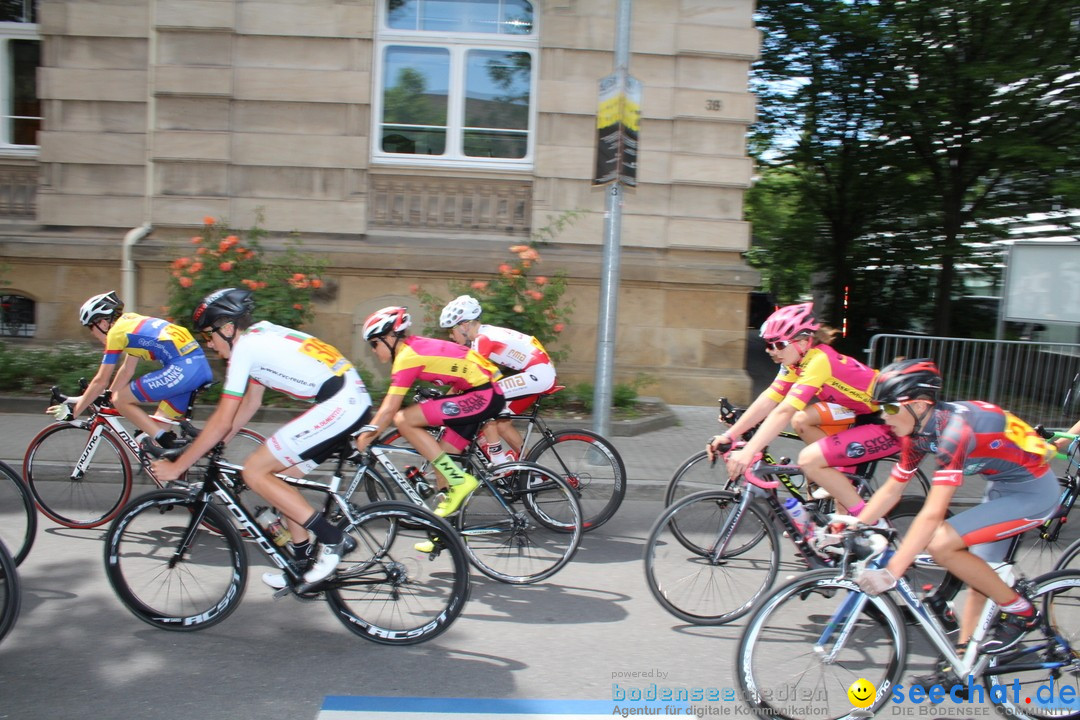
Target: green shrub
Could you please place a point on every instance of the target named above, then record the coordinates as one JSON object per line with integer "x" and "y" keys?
{"x": 34, "y": 370}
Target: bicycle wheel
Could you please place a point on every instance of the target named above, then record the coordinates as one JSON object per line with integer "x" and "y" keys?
{"x": 924, "y": 574}
{"x": 683, "y": 573}
{"x": 10, "y": 592}
{"x": 389, "y": 593}
{"x": 1047, "y": 660}
{"x": 591, "y": 465}
{"x": 792, "y": 664}
{"x": 18, "y": 516}
{"x": 696, "y": 474}
{"x": 918, "y": 486}
{"x": 241, "y": 445}
{"x": 1070, "y": 557}
{"x": 522, "y": 525}
{"x": 79, "y": 477}
{"x": 166, "y": 585}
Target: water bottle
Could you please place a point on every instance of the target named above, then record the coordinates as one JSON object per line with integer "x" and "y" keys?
{"x": 272, "y": 522}
{"x": 797, "y": 513}
{"x": 416, "y": 476}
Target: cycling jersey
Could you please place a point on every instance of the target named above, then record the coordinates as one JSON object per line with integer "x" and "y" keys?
{"x": 440, "y": 362}
{"x": 975, "y": 437}
{"x": 830, "y": 377}
{"x": 184, "y": 368}
{"x": 148, "y": 338}
{"x": 517, "y": 351}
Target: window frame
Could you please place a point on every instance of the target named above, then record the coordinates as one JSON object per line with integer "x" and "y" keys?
{"x": 14, "y": 31}
{"x": 458, "y": 45}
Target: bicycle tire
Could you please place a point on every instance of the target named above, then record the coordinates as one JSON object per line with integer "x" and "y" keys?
{"x": 18, "y": 528}
{"x": 520, "y": 535}
{"x": 10, "y": 592}
{"x": 94, "y": 496}
{"x": 1058, "y": 640}
{"x": 696, "y": 474}
{"x": 1070, "y": 557}
{"x": 781, "y": 670}
{"x": 193, "y": 592}
{"x": 592, "y": 466}
{"x": 883, "y": 469}
{"x": 388, "y": 593}
{"x": 687, "y": 581}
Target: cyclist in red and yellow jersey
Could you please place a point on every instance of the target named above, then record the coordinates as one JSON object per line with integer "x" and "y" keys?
{"x": 841, "y": 429}
{"x": 475, "y": 399}
{"x": 132, "y": 337}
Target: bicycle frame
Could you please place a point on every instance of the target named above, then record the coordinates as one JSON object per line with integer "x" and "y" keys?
{"x": 107, "y": 420}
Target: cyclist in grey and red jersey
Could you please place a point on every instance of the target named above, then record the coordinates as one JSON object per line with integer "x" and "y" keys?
{"x": 967, "y": 438}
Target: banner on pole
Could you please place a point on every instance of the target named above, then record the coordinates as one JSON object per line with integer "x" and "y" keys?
{"x": 618, "y": 118}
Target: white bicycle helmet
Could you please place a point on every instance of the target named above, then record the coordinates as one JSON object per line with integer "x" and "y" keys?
{"x": 460, "y": 309}
{"x": 394, "y": 319}
{"x": 106, "y": 305}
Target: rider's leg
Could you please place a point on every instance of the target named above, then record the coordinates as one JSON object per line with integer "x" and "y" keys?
{"x": 813, "y": 462}
{"x": 413, "y": 426}
{"x": 807, "y": 424}
{"x": 259, "y": 470}
{"x": 510, "y": 435}
{"x": 128, "y": 406}
{"x": 857, "y": 444}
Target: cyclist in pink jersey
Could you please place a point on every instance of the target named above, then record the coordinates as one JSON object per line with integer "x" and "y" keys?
{"x": 534, "y": 371}
{"x": 475, "y": 398}
{"x": 842, "y": 386}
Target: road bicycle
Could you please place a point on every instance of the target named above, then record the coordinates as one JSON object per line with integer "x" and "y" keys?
{"x": 177, "y": 562}
{"x": 18, "y": 517}
{"x": 699, "y": 473}
{"x": 80, "y": 471}
{"x": 521, "y": 525}
{"x": 10, "y": 591}
{"x": 711, "y": 556}
{"x": 588, "y": 461}
{"x": 813, "y": 637}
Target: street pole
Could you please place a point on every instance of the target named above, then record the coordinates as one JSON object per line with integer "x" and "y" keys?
{"x": 609, "y": 276}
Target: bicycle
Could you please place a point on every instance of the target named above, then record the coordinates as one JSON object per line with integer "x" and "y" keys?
{"x": 813, "y": 637}
{"x": 79, "y": 471}
{"x": 699, "y": 473}
{"x": 177, "y": 562}
{"x": 521, "y": 525}
{"x": 10, "y": 591}
{"x": 711, "y": 556}
{"x": 588, "y": 461}
{"x": 18, "y": 516}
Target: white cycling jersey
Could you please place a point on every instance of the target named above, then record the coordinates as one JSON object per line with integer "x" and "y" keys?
{"x": 282, "y": 359}
{"x": 509, "y": 348}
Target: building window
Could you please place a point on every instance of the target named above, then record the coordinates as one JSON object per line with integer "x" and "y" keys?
{"x": 456, "y": 83}
{"x": 20, "y": 56}
{"x": 17, "y": 316}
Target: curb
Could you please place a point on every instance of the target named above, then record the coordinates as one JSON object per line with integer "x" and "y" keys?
{"x": 665, "y": 418}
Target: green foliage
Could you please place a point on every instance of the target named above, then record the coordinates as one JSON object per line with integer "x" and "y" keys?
{"x": 32, "y": 370}
{"x": 514, "y": 297}
{"x": 580, "y": 396}
{"x": 284, "y": 285}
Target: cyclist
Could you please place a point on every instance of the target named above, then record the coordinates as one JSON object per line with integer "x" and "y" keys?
{"x": 414, "y": 359}
{"x": 966, "y": 438}
{"x": 841, "y": 429}
{"x": 508, "y": 349}
{"x": 263, "y": 355}
{"x": 184, "y": 368}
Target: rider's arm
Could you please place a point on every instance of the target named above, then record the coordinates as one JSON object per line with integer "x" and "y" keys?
{"x": 125, "y": 373}
{"x": 758, "y": 411}
{"x": 1063, "y": 442}
{"x": 217, "y": 427}
{"x": 922, "y": 529}
{"x": 883, "y": 500}
{"x": 97, "y": 386}
{"x": 383, "y": 417}
{"x": 249, "y": 405}
{"x": 775, "y": 422}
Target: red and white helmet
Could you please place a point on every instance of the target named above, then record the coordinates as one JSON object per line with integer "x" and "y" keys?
{"x": 392, "y": 319}
{"x": 790, "y": 322}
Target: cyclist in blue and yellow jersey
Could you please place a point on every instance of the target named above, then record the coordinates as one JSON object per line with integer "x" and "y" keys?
{"x": 966, "y": 438}
{"x": 476, "y": 399}
{"x": 263, "y": 355}
{"x": 132, "y": 337}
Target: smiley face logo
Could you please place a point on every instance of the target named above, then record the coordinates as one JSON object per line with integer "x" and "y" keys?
{"x": 862, "y": 693}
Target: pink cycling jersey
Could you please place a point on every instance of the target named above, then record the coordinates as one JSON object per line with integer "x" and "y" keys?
{"x": 830, "y": 377}
{"x": 440, "y": 362}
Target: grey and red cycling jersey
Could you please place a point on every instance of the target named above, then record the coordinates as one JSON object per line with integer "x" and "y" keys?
{"x": 975, "y": 437}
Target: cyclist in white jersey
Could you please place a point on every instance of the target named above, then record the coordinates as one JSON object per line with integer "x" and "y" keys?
{"x": 263, "y": 355}
{"x": 509, "y": 349}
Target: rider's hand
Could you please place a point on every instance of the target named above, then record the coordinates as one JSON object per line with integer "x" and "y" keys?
{"x": 874, "y": 581}
{"x": 365, "y": 436}
{"x": 61, "y": 412}
{"x": 738, "y": 461}
{"x": 718, "y": 445}
{"x": 166, "y": 470}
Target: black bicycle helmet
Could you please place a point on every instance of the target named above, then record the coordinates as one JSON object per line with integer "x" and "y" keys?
{"x": 221, "y": 306}
{"x": 907, "y": 380}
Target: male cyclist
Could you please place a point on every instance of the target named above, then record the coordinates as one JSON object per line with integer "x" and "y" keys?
{"x": 184, "y": 368}
{"x": 534, "y": 371}
{"x": 263, "y": 355}
{"x": 967, "y": 438}
{"x": 811, "y": 369}
{"x": 414, "y": 359}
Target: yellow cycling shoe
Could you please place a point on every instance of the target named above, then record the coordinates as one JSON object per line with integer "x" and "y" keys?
{"x": 427, "y": 547}
{"x": 456, "y": 495}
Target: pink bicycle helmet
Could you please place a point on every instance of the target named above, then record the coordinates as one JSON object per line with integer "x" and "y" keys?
{"x": 790, "y": 322}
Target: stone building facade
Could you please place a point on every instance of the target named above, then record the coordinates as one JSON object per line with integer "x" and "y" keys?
{"x": 161, "y": 112}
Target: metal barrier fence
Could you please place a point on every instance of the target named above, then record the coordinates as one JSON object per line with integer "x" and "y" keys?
{"x": 1034, "y": 381}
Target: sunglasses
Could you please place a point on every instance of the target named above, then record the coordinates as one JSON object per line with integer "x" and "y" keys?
{"x": 890, "y": 408}
{"x": 373, "y": 343}
{"x": 778, "y": 345}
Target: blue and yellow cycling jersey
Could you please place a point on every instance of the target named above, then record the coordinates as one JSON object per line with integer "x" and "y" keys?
{"x": 148, "y": 338}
